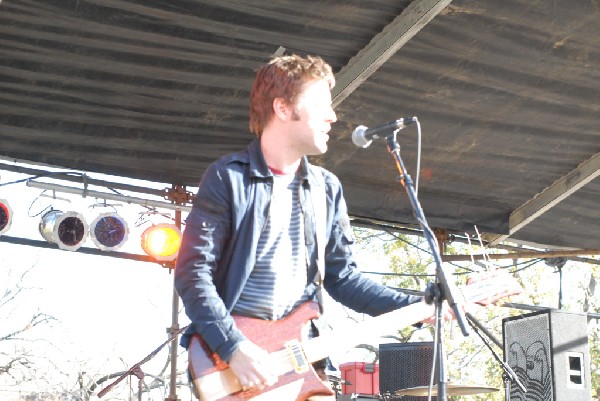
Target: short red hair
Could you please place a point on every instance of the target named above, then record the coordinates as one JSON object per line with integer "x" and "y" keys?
{"x": 283, "y": 77}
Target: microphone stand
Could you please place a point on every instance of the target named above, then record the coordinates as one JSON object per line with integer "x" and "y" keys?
{"x": 443, "y": 288}
{"x": 136, "y": 370}
{"x": 508, "y": 375}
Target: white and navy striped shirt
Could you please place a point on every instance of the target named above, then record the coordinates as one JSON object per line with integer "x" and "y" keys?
{"x": 278, "y": 282}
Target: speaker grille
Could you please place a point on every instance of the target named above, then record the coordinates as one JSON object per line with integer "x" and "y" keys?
{"x": 548, "y": 350}
{"x": 404, "y": 365}
{"x": 527, "y": 344}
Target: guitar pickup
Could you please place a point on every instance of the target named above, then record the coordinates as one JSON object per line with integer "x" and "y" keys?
{"x": 297, "y": 356}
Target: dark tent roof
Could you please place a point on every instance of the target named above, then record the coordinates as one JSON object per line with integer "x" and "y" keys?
{"x": 507, "y": 94}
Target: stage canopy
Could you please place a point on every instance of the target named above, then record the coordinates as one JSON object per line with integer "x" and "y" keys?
{"x": 507, "y": 94}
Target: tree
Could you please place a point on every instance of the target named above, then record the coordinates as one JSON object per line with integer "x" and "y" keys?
{"x": 591, "y": 303}
{"x": 17, "y": 331}
{"x": 470, "y": 360}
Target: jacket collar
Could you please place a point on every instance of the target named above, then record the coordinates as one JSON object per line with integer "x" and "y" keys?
{"x": 259, "y": 168}
{"x": 258, "y": 165}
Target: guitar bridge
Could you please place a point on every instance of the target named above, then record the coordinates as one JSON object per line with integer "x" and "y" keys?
{"x": 297, "y": 356}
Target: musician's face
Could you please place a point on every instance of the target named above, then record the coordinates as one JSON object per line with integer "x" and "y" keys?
{"x": 312, "y": 117}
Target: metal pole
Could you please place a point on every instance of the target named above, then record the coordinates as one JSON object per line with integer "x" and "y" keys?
{"x": 106, "y": 195}
{"x": 521, "y": 255}
{"x": 560, "y": 287}
{"x": 173, "y": 331}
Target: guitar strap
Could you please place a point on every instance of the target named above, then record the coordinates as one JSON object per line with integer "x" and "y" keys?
{"x": 319, "y": 206}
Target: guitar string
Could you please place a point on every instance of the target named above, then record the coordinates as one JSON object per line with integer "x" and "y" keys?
{"x": 294, "y": 352}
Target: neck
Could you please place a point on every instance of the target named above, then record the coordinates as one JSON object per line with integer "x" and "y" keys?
{"x": 280, "y": 172}
{"x": 278, "y": 156}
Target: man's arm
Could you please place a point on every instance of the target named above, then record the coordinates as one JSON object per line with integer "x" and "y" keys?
{"x": 343, "y": 281}
{"x": 204, "y": 239}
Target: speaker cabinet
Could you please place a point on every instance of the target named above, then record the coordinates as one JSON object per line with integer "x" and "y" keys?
{"x": 548, "y": 350}
{"x": 404, "y": 365}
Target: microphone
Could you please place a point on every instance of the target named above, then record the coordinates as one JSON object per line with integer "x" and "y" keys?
{"x": 363, "y": 136}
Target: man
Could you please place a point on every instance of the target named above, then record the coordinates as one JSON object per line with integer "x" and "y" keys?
{"x": 251, "y": 244}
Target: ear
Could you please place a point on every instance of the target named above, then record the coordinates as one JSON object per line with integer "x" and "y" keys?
{"x": 281, "y": 109}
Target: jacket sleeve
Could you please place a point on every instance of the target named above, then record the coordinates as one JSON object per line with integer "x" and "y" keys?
{"x": 343, "y": 281}
{"x": 196, "y": 273}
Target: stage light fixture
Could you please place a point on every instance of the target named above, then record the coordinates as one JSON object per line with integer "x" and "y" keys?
{"x": 109, "y": 231}
{"x": 162, "y": 241}
{"x": 68, "y": 230}
{"x": 5, "y": 216}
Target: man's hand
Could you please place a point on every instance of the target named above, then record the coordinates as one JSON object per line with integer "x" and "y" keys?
{"x": 251, "y": 366}
{"x": 447, "y": 312}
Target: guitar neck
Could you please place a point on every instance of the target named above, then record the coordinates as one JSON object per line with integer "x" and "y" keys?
{"x": 487, "y": 288}
{"x": 339, "y": 340}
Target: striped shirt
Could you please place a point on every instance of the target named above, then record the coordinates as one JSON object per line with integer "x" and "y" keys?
{"x": 278, "y": 282}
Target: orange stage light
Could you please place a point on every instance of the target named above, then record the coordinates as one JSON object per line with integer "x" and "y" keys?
{"x": 162, "y": 242}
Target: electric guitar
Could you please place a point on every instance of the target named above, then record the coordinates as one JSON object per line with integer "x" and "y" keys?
{"x": 291, "y": 358}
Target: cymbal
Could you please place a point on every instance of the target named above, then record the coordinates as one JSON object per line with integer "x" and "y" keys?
{"x": 451, "y": 389}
